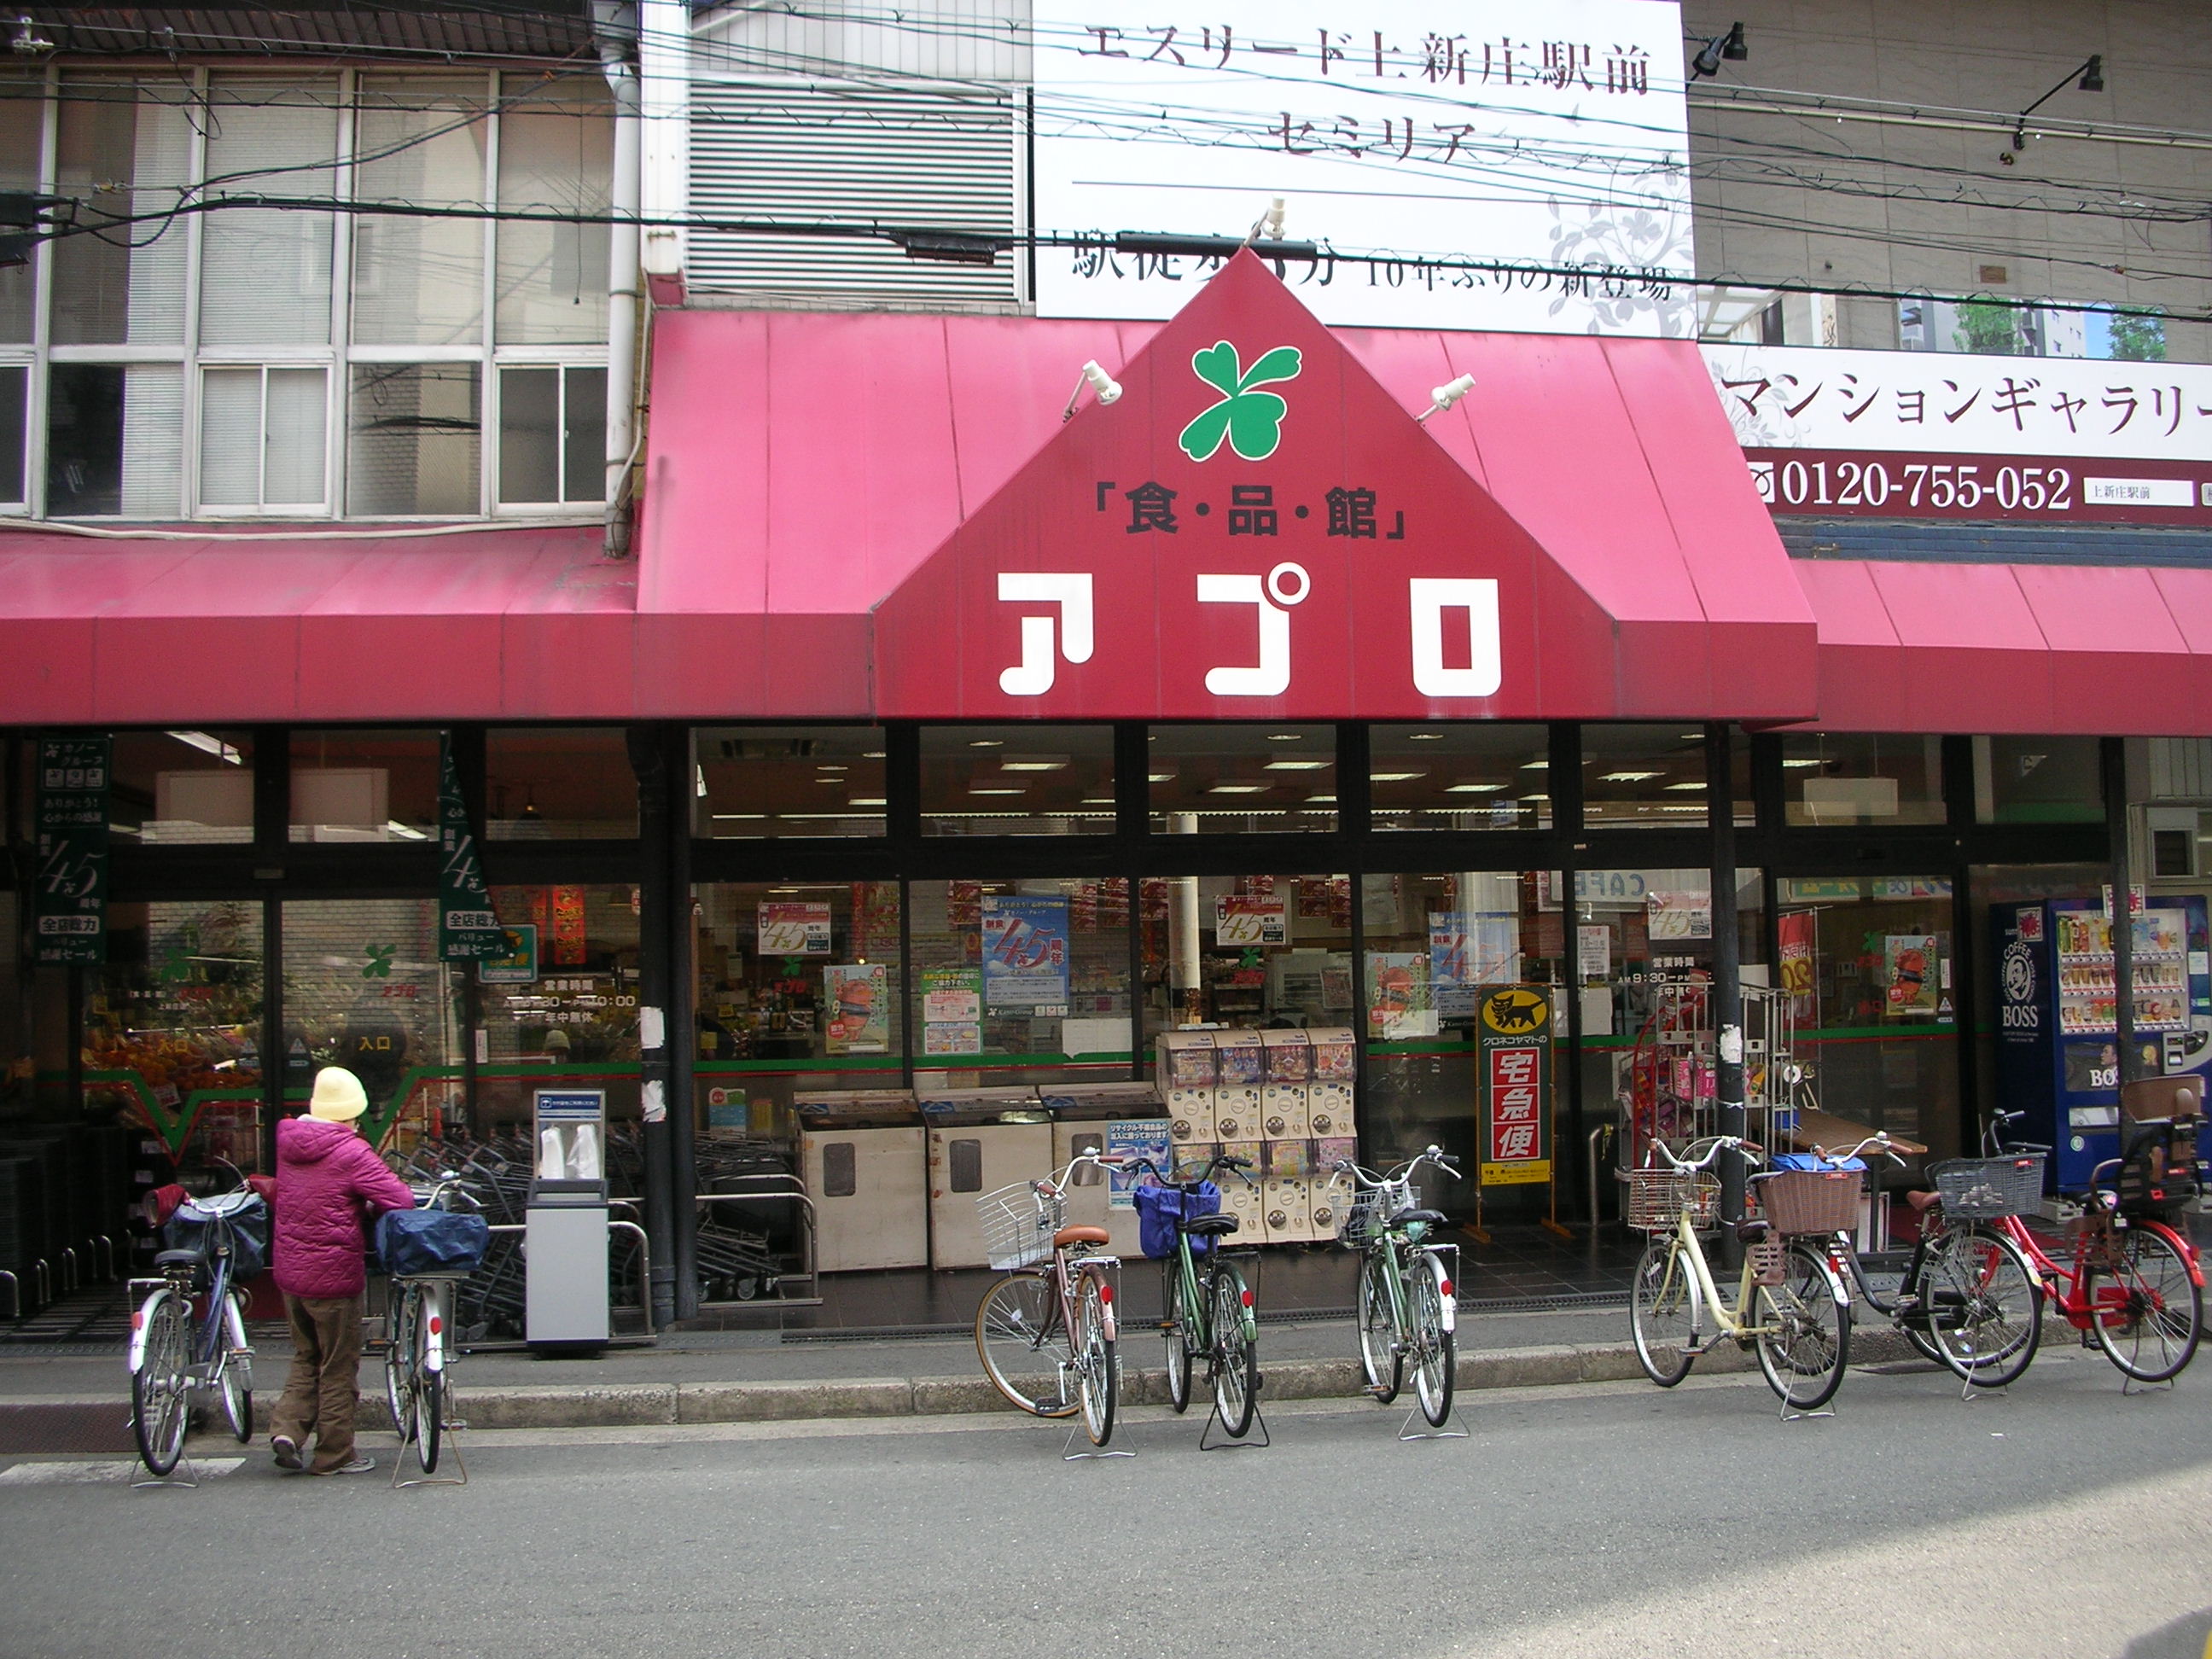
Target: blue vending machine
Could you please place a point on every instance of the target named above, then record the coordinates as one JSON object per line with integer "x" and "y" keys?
{"x": 2057, "y": 1053}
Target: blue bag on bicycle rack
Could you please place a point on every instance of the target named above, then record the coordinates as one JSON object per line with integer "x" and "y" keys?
{"x": 197, "y": 1220}
{"x": 1158, "y": 1209}
{"x": 1812, "y": 1161}
{"x": 414, "y": 1241}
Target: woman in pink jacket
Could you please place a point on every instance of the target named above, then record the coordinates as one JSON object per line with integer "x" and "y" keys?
{"x": 328, "y": 1180}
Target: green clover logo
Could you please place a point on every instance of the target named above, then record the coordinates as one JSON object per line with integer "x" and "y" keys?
{"x": 379, "y": 962}
{"x": 1251, "y": 420}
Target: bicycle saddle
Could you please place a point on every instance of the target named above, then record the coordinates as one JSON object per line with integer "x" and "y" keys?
{"x": 178, "y": 1259}
{"x": 1434, "y": 1217}
{"x": 1210, "y": 1227}
{"x": 1067, "y": 1236}
{"x": 1753, "y": 1230}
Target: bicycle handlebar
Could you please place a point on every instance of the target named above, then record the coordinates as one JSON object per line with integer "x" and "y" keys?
{"x": 1719, "y": 1144}
{"x": 1878, "y": 1141}
{"x": 1219, "y": 1161}
{"x": 1367, "y": 1179}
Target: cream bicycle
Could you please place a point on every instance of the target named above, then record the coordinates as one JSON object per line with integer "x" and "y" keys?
{"x": 1790, "y": 1306}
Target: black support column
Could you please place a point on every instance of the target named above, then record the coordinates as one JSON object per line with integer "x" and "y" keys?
{"x": 2113, "y": 758}
{"x": 649, "y": 759}
{"x": 1728, "y": 986}
{"x": 682, "y": 1028}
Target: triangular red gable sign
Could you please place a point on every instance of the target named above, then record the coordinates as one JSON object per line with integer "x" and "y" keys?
{"x": 1254, "y": 530}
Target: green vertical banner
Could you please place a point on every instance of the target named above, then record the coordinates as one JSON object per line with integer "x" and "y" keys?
{"x": 467, "y": 929}
{"x": 1514, "y": 1079}
{"x": 69, "y": 900}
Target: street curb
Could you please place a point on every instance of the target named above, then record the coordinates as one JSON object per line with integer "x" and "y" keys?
{"x": 618, "y": 1405}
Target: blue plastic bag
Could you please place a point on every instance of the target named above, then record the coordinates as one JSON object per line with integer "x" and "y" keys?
{"x": 1812, "y": 1161}
{"x": 1158, "y": 1209}
{"x": 414, "y": 1241}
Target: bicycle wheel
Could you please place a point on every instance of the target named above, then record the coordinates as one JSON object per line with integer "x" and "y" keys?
{"x": 160, "y": 1388}
{"x": 1804, "y": 1329}
{"x": 2146, "y": 1312}
{"x": 1434, "y": 1361}
{"x": 1098, "y": 1375}
{"x": 429, "y": 1419}
{"x": 1023, "y": 1343}
{"x": 1661, "y": 1313}
{"x": 1177, "y": 1330}
{"x": 1985, "y": 1306}
{"x": 1236, "y": 1355}
{"x": 1379, "y": 1354}
{"x": 234, "y": 1368}
{"x": 399, "y": 1359}
{"x": 1919, "y": 1285}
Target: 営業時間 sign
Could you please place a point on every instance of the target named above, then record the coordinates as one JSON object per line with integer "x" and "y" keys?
{"x": 69, "y": 905}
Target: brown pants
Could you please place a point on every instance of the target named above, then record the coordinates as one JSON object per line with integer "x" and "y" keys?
{"x": 322, "y": 1389}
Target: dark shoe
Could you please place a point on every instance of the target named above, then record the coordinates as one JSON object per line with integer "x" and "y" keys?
{"x": 286, "y": 1451}
{"x": 359, "y": 1465}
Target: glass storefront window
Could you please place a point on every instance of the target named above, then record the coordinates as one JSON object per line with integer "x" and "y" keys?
{"x": 1017, "y": 780}
{"x": 364, "y": 989}
{"x": 2037, "y": 780}
{"x": 185, "y": 786}
{"x": 559, "y": 783}
{"x": 1643, "y": 775}
{"x": 173, "y": 1029}
{"x": 787, "y": 781}
{"x": 1020, "y": 982}
{"x": 1246, "y": 951}
{"x": 1460, "y": 777}
{"x": 1876, "y": 1021}
{"x": 1434, "y": 944}
{"x": 1846, "y": 778}
{"x": 364, "y": 786}
{"x": 562, "y": 1009}
{"x": 1222, "y": 780}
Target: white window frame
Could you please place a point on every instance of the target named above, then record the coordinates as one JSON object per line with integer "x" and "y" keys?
{"x": 337, "y": 359}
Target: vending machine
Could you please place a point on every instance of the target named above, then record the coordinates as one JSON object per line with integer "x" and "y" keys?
{"x": 2057, "y": 1003}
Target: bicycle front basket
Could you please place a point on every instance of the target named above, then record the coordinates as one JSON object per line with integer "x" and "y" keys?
{"x": 198, "y": 1221}
{"x": 1019, "y": 1223}
{"x": 1655, "y": 1199}
{"x": 1798, "y": 1201}
{"x": 413, "y": 1242}
{"x": 1986, "y": 1188}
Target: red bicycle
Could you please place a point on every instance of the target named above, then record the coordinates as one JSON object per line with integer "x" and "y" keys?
{"x": 2131, "y": 1283}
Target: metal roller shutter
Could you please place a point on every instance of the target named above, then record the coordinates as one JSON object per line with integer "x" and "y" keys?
{"x": 944, "y": 159}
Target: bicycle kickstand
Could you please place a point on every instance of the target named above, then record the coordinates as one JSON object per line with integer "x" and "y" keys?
{"x": 1239, "y": 1443}
{"x": 1407, "y": 1431}
{"x": 452, "y": 1448}
{"x": 1069, "y": 1455}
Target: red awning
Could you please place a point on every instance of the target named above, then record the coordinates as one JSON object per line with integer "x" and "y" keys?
{"x": 2100, "y": 650}
{"x": 825, "y": 493}
{"x": 490, "y": 624}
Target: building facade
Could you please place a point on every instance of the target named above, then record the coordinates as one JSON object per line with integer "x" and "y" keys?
{"x": 663, "y": 421}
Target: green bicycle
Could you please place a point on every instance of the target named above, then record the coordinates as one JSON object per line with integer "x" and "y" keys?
{"x": 1208, "y": 1311}
{"x": 1406, "y": 1310}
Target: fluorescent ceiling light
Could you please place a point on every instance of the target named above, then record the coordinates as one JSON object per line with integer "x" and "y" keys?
{"x": 1159, "y": 777}
{"x": 1631, "y": 777}
{"x": 866, "y": 800}
{"x": 403, "y": 831}
{"x": 720, "y": 816}
{"x": 872, "y": 754}
{"x": 1394, "y": 777}
{"x": 1239, "y": 789}
{"x": 1472, "y": 788}
{"x": 1535, "y": 766}
{"x": 1424, "y": 737}
{"x": 1032, "y": 766}
{"x": 1294, "y": 766}
{"x": 994, "y": 792}
{"x": 1330, "y": 800}
{"x": 829, "y": 766}
{"x": 1795, "y": 764}
{"x": 1685, "y": 785}
{"x": 1286, "y": 736}
{"x": 1535, "y": 798}
{"x": 699, "y": 781}
{"x": 986, "y": 742}
{"x": 1096, "y": 800}
{"x": 215, "y": 746}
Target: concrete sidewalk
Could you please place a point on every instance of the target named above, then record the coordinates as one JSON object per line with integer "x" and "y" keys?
{"x": 734, "y": 1376}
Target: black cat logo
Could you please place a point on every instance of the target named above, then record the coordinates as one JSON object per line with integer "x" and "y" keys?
{"x": 1517, "y": 1009}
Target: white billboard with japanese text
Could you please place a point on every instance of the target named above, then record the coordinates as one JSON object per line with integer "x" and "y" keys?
{"x": 1525, "y": 139}
{"x": 1955, "y": 434}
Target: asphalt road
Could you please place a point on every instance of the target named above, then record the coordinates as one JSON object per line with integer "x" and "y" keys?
{"x": 1612, "y": 1519}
